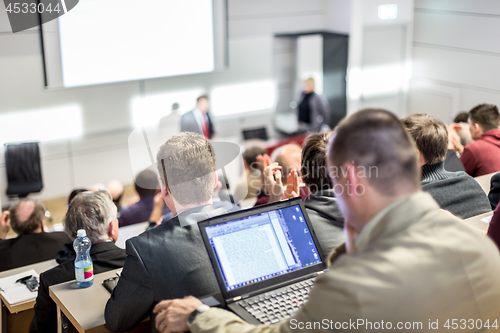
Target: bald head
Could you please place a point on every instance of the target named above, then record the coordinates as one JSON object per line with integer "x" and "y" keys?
{"x": 27, "y": 217}
{"x": 115, "y": 188}
{"x": 289, "y": 158}
{"x": 97, "y": 187}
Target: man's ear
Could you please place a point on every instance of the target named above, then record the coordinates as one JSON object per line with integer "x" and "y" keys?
{"x": 113, "y": 230}
{"x": 216, "y": 181}
{"x": 351, "y": 177}
{"x": 163, "y": 188}
{"x": 43, "y": 225}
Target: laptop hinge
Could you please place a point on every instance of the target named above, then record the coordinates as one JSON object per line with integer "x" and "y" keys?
{"x": 273, "y": 287}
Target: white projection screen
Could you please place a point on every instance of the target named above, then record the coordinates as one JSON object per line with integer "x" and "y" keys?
{"x": 106, "y": 41}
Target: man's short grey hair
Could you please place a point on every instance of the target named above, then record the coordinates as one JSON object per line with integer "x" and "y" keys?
{"x": 92, "y": 211}
{"x": 186, "y": 164}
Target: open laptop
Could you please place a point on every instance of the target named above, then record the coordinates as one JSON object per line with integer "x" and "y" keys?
{"x": 265, "y": 259}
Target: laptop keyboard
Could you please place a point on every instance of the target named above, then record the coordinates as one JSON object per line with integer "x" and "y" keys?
{"x": 271, "y": 307}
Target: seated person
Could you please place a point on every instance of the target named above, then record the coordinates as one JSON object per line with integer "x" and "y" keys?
{"x": 251, "y": 183}
{"x": 170, "y": 260}
{"x": 146, "y": 186}
{"x": 32, "y": 245}
{"x": 494, "y": 227}
{"x": 406, "y": 260}
{"x": 115, "y": 188}
{"x": 321, "y": 205}
{"x": 456, "y": 192}
{"x": 482, "y": 156}
{"x": 96, "y": 213}
{"x": 494, "y": 194}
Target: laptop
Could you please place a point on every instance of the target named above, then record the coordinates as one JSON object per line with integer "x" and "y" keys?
{"x": 265, "y": 259}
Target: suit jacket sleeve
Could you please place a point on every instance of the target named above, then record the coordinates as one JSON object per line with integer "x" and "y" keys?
{"x": 325, "y": 109}
{"x": 132, "y": 299}
{"x": 494, "y": 228}
{"x": 494, "y": 194}
{"x": 45, "y": 318}
{"x": 469, "y": 161}
{"x": 319, "y": 309}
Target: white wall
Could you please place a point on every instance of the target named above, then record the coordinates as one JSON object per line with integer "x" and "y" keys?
{"x": 455, "y": 56}
{"x": 379, "y": 56}
{"x": 102, "y": 154}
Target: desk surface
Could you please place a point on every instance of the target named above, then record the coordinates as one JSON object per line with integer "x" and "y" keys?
{"x": 84, "y": 307}
{"x": 485, "y": 181}
{"x": 476, "y": 222}
{"x": 39, "y": 268}
{"x": 125, "y": 233}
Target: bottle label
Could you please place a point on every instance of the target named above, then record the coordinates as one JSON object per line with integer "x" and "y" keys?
{"x": 85, "y": 274}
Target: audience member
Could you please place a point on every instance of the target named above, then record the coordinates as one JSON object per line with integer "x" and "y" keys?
{"x": 321, "y": 205}
{"x": 251, "y": 185}
{"x": 494, "y": 227}
{"x": 287, "y": 158}
{"x": 199, "y": 120}
{"x": 456, "y": 192}
{"x": 74, "y": 193}
{"x": 461, "y": 127}
{"x": 32, "y": 245}
{"x": 406, "y": 260}
{"x": 146, "y": 185}
{"x": 97, "y": 187}
{"x": 96, "y": 213}
{"x": 494, "y": 194}
{"x": 170, "y": 260}
{"x": 313, "y": 109}
{"x": 115, "y": 188}
{"x": 482, "y": 156}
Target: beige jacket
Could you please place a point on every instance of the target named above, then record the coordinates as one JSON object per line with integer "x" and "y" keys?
{"x": 417, "y": 265}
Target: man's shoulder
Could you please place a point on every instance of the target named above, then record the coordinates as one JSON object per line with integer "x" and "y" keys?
{"x": 55, "y": 235}
{"x": 187, "y": 115}
{"x": 155, "y": 235}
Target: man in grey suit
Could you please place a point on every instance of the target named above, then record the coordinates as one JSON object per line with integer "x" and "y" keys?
{"x": 409, "y": 265}
{"x": 199, "y": 120}
{"x": 170, "y": 260}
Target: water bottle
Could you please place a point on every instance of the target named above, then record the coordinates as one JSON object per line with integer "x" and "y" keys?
{"x": 84, "y": 269}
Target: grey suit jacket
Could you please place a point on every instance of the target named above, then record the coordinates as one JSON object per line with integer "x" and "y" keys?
{"x": 169, "y": 261}
{"x": 189, "y": 123}
{"x": 416, "y": 264}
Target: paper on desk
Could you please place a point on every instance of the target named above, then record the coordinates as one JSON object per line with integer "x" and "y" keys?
{"x": 17, "y": 292}
{"x": 487, "y": 219}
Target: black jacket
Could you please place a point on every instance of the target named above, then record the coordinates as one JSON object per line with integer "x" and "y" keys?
{"x": 494, "y": 194}
{"x": 326, "y": 219}
{"x": 106, "y": 256}
{"x": 169, "y": 261}
{"x": 30, "y": 249}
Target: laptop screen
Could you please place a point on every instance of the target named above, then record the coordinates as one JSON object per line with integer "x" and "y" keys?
{"x": 262, "y": 246}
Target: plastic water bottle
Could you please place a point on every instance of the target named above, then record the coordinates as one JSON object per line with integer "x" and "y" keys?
{"x": 84, "y": 269}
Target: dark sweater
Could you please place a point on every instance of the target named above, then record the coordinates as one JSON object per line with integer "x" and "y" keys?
{"x": 456, "y": 192}
{"x": 326, "y": 219}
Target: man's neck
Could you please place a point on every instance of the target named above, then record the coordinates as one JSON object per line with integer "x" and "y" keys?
{"x": 181, "y": 208}
{"x": 375, "y": 206}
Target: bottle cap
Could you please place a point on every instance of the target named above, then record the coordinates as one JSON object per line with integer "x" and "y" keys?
{"x": 81, "y": 233}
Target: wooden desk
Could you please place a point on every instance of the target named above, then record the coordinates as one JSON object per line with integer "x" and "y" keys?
{"x": 20, "y": 307}
{"x": 485, "y": 181}
{"x": 84, "y": 308}
{"x": 476, "y": 222}
{"x": 125, "y": 233}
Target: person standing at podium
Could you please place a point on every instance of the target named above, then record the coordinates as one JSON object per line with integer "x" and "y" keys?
{"x": 313, "y": 109}
{"x": 199, "y": 120}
